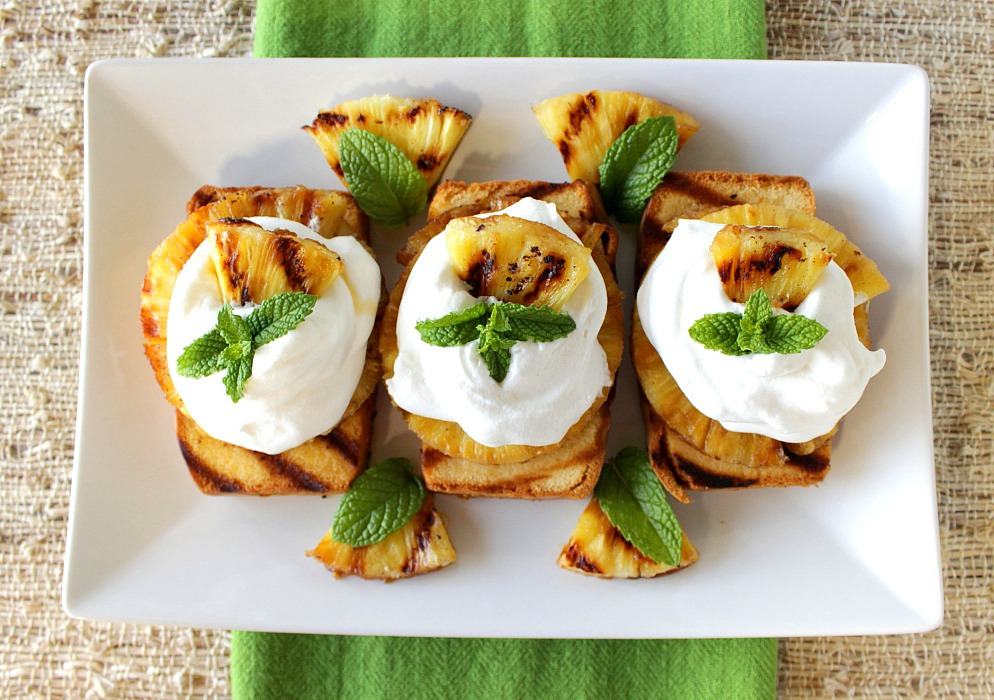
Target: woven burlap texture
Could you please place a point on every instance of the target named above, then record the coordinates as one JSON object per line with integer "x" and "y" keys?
{"x": 44, "y": 48}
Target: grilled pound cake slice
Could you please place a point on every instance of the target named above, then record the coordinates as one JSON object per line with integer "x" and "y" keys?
{"x": 688, "y": 450}
{"x": 325, "y": 464}
{"x": 451, "y": 461}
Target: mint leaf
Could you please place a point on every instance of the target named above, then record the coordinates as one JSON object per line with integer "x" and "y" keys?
{"x": 233, "y": 328}
{"x": 792, "y": 334}
{"x": 634, "y": 501}
{"x": 239, "y": 371}
{"x": 537, "y": 323}
{"x": 278, "y": 315}
{"x": 495, "y": 346}
{"x": 380, "y": 501}
{"x": 456, "y": 328}
{"x": 203, "y": 356}
{"x": 383, "y": 181}
{"x": 757, "y": 330}
{"x": 635, "y": 164}
{"x": 718, "y": 332}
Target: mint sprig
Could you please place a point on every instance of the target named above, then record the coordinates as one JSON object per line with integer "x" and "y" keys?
{"x": 634, "y": 501}
{"x": 757, "y": 330}
{"x": 232, "y": 343}
{"x": 379, "y": 502}
{"x": 497, "y": 326}
{"x": 382, "y": 179}
{"x": 635, "y": 164}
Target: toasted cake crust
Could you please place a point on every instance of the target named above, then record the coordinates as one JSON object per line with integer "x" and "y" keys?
{"x": 680, "y": 465}
{"x": 567, "y": 470}
{"x": 326, "y": 464}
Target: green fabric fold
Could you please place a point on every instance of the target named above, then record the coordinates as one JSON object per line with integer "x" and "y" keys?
{"x": 268, "y": 666}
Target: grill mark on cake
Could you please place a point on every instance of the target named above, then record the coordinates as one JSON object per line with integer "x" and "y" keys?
{"x": 293, "y": 472}
{"x": 701, "y": 194}
{"x": 540, "y": 190}
{"x": 203, "y": 473}
{"x": 343, "y": 445}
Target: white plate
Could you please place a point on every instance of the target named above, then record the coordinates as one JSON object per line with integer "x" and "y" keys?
{"x": 857, "y": 555}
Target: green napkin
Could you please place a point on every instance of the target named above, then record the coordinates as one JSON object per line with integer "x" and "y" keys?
{"x": 302, "y": 666}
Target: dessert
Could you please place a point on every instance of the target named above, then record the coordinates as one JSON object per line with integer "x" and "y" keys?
{"x": 287, "y": 406}
{"x": 708, "y": 242}
{"x": 500, "y": 413}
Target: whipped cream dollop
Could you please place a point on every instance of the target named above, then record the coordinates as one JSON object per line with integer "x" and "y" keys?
{"x": 549, "y": 385}
{"x": 792, "y": 398}
{"x": 302, "y": 382}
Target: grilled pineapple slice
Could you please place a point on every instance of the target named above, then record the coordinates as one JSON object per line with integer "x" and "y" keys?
{"x": 516, "y": 260}
{"x": 421, "y": 546}
{"x": 784, "y": 263}
{"x": 448, "y": 437}
{"x": 326, "y": 212}
{"x": 253, "y": 264}
{"x": 597, "y": 548}
{"x": 584, "y": 125}
{"x": 425, "y": 130}
{"x": 862, "y": 272}
{"x": 666, "y": 399}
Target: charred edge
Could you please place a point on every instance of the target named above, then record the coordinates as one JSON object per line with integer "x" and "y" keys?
{"x": 725, "y": 270}
{"x": 343, "y": 445}
{"x": 631, "y": 120}
{"x": 307, "y": 207}
{"x": 281, "y": 466}
{"x": 150, "y": 324}
{"x": 331, "y": 119}
{"x": 455, "y": 111}
{"x": 660, "y": 456}
{"x": 201, "y": 198}
{"x": 565, "y": 152}
{"x": 813, "y": 463}
{"x": 204, "y": 475}
{"x": 430, "y": 457}
{"x": 287, "y": 252}
{"x": 427, "y": 161}
{"x": 575, "y": 558}
{"x": 702, "y": 478}
{"x": 422, "y": 542}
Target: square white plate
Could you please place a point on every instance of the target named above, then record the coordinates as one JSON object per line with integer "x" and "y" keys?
{"x": 857, "y": 555}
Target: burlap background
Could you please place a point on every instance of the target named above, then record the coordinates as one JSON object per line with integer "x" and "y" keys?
{"x": 45, "y": 45}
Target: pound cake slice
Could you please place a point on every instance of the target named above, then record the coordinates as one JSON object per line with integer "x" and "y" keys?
{"x": 451, "y": 461}
{"x": 689, "y": 451}
{"x": 325, "y": 464}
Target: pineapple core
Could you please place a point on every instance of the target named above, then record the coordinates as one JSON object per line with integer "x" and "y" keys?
{"x": 516, "y": 260}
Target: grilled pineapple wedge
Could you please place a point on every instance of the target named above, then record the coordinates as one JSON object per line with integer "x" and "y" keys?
{"x": 421, "y": 546}
{"x": 425, "y": 130}
{"x": 866, "y": 278}
{"x": 784, "y": 263}
{"x": 584, "y": 125}
{"x": 597, "y": 548}
{"x": 516, "y": 260}
{"x": 253, "y": 264}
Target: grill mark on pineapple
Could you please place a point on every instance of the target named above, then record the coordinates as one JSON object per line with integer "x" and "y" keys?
{"x": 292, "y": 472}
{"x": 698, "y": 477}
{"x": 577, "y": 559}
{"x": 427, "y": 161}
{"x": 422, "y": 543}
{"x": 287, "y": 251}
{"x": 480, "y": 273}
{"x": 208, "y": 480}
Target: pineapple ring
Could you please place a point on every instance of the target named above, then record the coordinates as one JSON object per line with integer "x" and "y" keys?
{"x": 706, "y": 434}
{"x": 328, "y": 213}
{"x": 447, "y": 436}
{"x": 862, "y": 272}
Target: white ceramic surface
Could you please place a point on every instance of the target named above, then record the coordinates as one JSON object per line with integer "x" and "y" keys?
{"x": 857, "y": 555}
